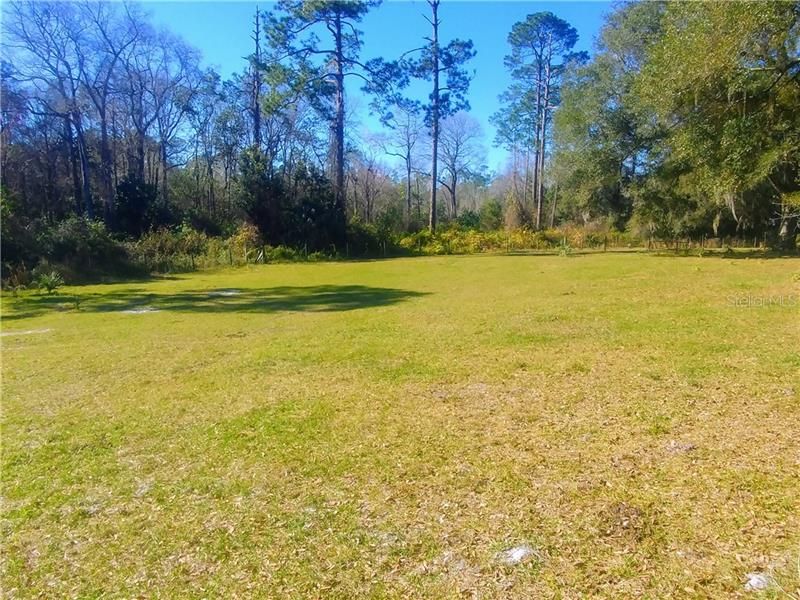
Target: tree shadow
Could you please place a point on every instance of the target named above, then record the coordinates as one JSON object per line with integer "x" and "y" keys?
{"x": 322, "y": 298}
{"x": 731, "y": 254}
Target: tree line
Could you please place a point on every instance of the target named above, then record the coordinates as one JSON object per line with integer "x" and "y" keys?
{"x": 686, "y": 122}
{"x": 683, "y": 122}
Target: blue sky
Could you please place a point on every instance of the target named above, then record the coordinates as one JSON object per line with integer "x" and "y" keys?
{"x": 221, "y": 30}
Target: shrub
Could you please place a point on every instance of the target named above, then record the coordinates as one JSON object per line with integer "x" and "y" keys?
{"x": 136, "y": 209}
{"x": 491, "y": 215}
{"x": 17, "y": 278}
{"x": 157, "y": 251}
{"x": 364, "y": 239}
{"x": 280, "y": 254}
{"x": 82, "y": 249}
{"x": 193, "y": 243}
{"x": 390, "y": 221}
{"x": 246, "y": 242}
{"x": 516, "y": 214}
{"x": 48, "y": 278}
{"x": 469, "y": 219}
{"x": 455, "y": 240}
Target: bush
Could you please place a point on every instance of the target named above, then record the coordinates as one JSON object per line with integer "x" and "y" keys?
{"x": 246, "y": 242}
{"x": 157, "y": 250}
{"x": 192, "y": 242}
{"x": 16, "y": 278}
{"x": 48, "y": 278}
{"x": 455, "y": 240}
{"x": 391, "y": 221}
{"x": 281, "y": 254}
{"x": 469, "y": 219}
{"x": 82, "y": 249}
{"x": 370, "y": 240}
{"x": 491, "y": 216}
{"x": 136, "y": 209}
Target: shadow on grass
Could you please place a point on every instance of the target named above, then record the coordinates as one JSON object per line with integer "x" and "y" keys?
{"x": 322, "y": 298}
{"x": 733, "y": 255}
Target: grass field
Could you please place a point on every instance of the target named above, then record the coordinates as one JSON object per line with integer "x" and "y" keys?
{"x": 385, "y": 429}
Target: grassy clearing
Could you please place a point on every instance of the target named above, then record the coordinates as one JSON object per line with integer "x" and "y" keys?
{"x": 384, "y": 429}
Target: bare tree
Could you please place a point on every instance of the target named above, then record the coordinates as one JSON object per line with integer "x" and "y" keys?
{"x": 46, "y": 38}
{"x": 99, "y": 56}
{"x": 140, "y": 63}
{"x": 175, "y": 84}
{"x": 461, "y": 152}
{"x": 407, "y": 126}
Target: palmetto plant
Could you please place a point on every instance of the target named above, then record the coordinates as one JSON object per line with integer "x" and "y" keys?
{"x": 50, "y": 281}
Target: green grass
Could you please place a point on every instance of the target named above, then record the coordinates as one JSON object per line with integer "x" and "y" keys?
{"x": 384, "y": 429}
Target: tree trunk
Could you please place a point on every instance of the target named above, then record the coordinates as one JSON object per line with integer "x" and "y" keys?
{"x": 454, "y": 182}
{"x": 408, "y": 188}
{"x": 141, "y": 131}
{"x": 536, "y": 146}
{"x": 256, "y": 107}
{"x": 69, "y": 140}
{"x": 787, "y": 227}
{"x": 106, "y": 174}
{"x": 86, "y": 189}
{"x": 435, "y": 112}
{"x": 526, "y": 181}
{"x": 540, "y": 168}
{"x": 543, "y": 135}
{"x": 114, "y": 153}
{"x": 553, "y": 207}
{"x": 139, "y": 173}
{"x": 338, "y": 126}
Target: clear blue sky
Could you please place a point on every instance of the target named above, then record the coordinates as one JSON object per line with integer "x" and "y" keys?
{"x": 221, "y": 30}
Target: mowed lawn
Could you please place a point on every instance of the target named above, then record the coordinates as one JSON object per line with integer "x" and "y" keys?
{"x": 387, "y": 428}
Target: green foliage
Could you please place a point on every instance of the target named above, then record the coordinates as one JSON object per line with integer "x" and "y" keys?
{"x": 282, "y": 254}
{"x": 301, "y": 212}
{"x": 192, "y": 242}
{"x": 686, "y": 121}
{"x": 17, "y": 233}
{"x": 16, "y": 278}
{"x": 469, "y": 219}
{"x": 259, "y": 195}
{"x": 370, "y": 240}
{"x": 137, "y": 209}
{"x": 246, "y": 241}
{"x": 724, "y": 74}
{"x": 82, "y": 248}
{"x": 157, "y": 250}
{"x": 391, "y": 221}
{"x": 455, "y": 240}
{"x": 47, "y": 278}
{"x": 452, "y": 59}
{"x": 490, "y": 215}
{"x": 601, "y": 135}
